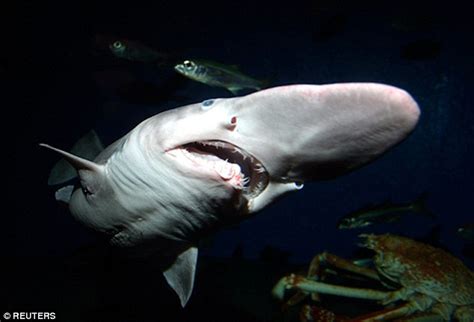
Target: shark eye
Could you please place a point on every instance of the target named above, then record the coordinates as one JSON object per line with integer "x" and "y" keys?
{"x": 117, "y": 44}
{"x": 207, "y": 104}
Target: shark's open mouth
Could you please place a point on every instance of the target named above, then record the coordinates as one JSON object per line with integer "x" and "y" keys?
{"x": 231, "y": 163}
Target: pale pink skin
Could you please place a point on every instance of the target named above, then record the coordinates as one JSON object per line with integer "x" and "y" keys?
{"x": 144, "y": 188}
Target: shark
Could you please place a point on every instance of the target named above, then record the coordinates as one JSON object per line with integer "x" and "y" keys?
{"x": 186, "y": 172}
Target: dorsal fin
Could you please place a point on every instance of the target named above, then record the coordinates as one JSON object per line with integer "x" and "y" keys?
{"x": 180, "y": 275}
{"x": 77, "y": 162}
{"x": 88, "y": 147}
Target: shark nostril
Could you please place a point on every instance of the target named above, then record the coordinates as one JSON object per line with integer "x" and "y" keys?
{"x": 232, "y": 124}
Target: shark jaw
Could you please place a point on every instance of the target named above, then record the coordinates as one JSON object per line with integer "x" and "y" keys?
{"x": 224, "y": 161}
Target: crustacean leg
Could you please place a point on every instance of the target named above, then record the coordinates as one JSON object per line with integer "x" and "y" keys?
{"x": 313, "y": 313}
{"x": 323, "y": 260}
{"x": 310, "y": 286}
{"x": 418, "y": 309}
{"x": 338, "y": 262}
{"x": 416, "y": 304}
{"x": 423, "y": 317}
{"x": 401, "y": 313}
{"x": 465, "y": 313}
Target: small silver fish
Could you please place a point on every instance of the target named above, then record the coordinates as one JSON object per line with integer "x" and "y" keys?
{"x": 383, "y": 213}
{"x": 135, "y": 51}
{"x": 219, "y": 75}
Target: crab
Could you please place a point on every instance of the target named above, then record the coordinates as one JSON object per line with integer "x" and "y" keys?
{"x": 421, "y": 282}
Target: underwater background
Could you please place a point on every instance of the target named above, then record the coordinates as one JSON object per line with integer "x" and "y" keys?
{"x": 67, "y": 81}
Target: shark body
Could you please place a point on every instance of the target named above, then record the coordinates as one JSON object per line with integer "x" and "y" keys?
{"x": 187, "y": 171}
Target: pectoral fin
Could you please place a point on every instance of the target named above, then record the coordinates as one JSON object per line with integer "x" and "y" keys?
{"x": 180, "y": 275}
{"x": 64, "y": 194}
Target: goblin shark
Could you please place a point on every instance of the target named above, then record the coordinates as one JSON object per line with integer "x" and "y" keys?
{"x": 185, "y": 172}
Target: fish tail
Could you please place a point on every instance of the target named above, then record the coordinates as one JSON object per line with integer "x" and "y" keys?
{"x": 419, "y": 206}
{"x": 235, "y": 90}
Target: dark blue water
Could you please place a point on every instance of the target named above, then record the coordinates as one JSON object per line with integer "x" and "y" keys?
{"x": 68, "y": 82}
